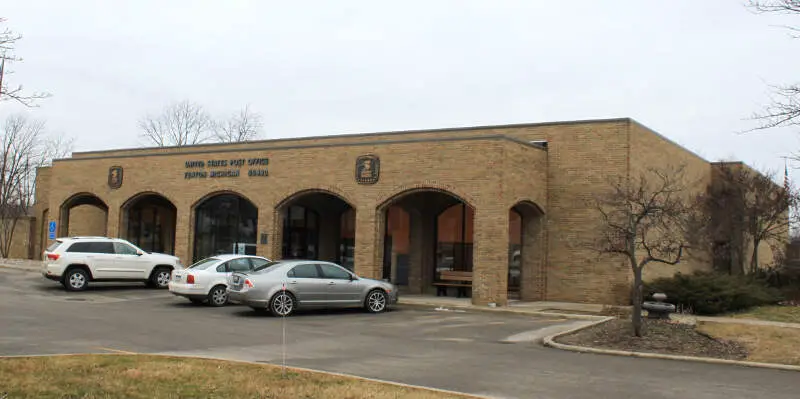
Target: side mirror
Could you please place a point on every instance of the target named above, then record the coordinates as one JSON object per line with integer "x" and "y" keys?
{"x": 352, "y": 277}
{"x": 139, "y": 253}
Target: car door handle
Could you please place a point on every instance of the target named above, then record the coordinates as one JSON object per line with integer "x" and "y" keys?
{"x": 331, "y": 282}
{"x": 293, "y": 282}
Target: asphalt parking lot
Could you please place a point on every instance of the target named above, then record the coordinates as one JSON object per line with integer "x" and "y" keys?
{"x": 475, "y": 352}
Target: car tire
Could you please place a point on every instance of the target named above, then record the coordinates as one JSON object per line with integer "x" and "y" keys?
{"x": 282, "y": 304}
{"x": 218, "y": 296}
{"x": 76, "y": 279}
{"x": 376, "y": 301}
{"x": 159, "y": 278}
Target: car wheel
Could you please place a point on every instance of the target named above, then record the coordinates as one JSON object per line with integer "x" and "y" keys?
{"x": 375, "y": 302}
{"x": 282, "y": 304}
{"x": 160, "y": 277}
{"x": 76, "y": 280}
{"x": 218, "y": 296}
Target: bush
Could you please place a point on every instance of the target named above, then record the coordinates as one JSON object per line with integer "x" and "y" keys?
{"x": 713, "y": 293}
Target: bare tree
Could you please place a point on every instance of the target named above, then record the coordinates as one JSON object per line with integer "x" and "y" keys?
{"x": 179, "y": 124}
{"x": 8, "y": 40}
{"x": 784, "y": 107}
{"x": 244, "y": 126}
{"x": 748, "y": 206}
{"x": 647, "y": 219}
{"x": 24, "y": 149}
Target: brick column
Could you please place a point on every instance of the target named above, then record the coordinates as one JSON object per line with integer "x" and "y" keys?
{"x": 113, "y": 221}
{"x": 183, "y": 234}
{"x": 534, "y": 255}
{"x": 490, "y": 258}
{"x": 367, "y": 241}
{"x": 416, "y": 246}
{"x": 265, "y": 225}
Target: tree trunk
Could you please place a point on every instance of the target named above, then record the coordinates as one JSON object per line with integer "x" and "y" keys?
{"x": 636, "y": 316}
{"x": 754, "y": 259}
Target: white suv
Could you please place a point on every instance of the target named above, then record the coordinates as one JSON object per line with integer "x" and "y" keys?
{"x": 75, "y": 261}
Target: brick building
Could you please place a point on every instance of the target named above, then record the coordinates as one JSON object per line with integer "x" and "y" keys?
{"x": 505, "y": 202}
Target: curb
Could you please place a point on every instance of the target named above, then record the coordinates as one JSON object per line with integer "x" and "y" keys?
{"x": 291, "y": 368}
{"x": 507, "y": 310}
{"x": 15, "y": 267}
{"x": 550, "y": 342}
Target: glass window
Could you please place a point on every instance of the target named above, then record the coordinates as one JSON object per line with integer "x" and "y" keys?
{"x": 333, "y": 272}
{"x": 53, "y": 246}
{"x": 92, "y": 247}
{"x": 239, "y": 265}
{"x": 221, "y": 223}
{"x": 222, "y": 268}
{"x": 101, "y": 247}
{"x": 258, "y": 262}
{"x": 306, "y": 270}
{"x": 124, "y": 249}
{"x": 79, "y": 247}
{"x": 204, "y": 264}
{"x": 266, "y": 266}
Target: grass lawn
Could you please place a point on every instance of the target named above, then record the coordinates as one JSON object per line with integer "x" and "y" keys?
{"x": 786, "y": 314}
{"x": 764, "y": 344}
{"x": 135, "y": 376}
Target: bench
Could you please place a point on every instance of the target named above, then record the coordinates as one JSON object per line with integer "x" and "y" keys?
{"x": 452, "y": 278}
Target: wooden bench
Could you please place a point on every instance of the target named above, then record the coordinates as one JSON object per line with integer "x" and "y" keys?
{"x": 453, "y": 278}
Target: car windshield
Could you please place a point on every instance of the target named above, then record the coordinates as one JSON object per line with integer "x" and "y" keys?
{"x": 204, "y": 264}
{"x": 267, "y": 266}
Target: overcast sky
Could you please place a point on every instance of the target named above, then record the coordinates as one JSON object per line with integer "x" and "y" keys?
{"x": 692, "y": 70}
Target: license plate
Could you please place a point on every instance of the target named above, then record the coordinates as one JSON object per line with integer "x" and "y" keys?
{"x": 177, "y": 277}
{"x": 236, "y": 279}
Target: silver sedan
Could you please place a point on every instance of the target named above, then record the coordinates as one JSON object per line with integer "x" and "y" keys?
{"x": 284, "y": 286}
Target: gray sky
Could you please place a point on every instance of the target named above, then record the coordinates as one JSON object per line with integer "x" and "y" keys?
{"x": 692, "y": 70}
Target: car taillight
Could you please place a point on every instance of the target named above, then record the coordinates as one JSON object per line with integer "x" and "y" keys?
{"x": 248, "y": 283}
{"x": 189, "y": 279}
{"x": 53, "y": 256}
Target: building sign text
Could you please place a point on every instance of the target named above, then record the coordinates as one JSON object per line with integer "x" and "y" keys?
{"x": 226, "y": 168}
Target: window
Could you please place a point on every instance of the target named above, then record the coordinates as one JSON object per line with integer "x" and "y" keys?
{"x": 258, "y": 262}
{"x": 124, "y": 249}
{"x": 266, "y": 266}
{"x": 307, "y": 270}
{"x": 222, "y": 268}
{"x": 239, "y": 265}
{"x": 101, "y": 247}
{"x": 204, "y": 264}
{"x": 222, "y": 223}
{"x": 331, "y": 271}
{"x": 92, "y": 247}
{"x": 53, "y": 246}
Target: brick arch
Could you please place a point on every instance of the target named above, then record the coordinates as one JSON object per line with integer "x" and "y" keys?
{"x": 287, "y": 199}
{"x": 526, "y": 203}
{"x": 135, "y": 197}
{"x": 78, "y": 199}
{"x": 404, "y": 190}
{"x": 213, "y": 194}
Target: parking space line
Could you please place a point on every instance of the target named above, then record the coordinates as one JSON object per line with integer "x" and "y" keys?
{"x": 115, "y": 350}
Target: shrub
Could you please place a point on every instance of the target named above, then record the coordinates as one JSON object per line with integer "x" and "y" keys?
{"x": 713, "y": 293}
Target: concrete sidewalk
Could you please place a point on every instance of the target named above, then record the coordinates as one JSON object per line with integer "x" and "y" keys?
{"x": 21, "y": 264}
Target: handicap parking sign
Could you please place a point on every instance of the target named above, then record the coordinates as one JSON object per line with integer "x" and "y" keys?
{"x": 51, "y": 230}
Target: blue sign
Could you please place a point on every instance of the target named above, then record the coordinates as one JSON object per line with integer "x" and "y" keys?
{"x": 51, "y": 230}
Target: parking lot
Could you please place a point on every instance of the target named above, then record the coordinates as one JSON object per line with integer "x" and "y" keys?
{"x": 474, "y": 352}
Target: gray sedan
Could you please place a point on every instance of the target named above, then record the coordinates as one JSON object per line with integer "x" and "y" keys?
{"x": 283, "y": 286}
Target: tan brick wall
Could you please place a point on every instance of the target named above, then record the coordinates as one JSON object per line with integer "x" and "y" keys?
{"x": 21, "y": 238}
{"x": 649, "y": 149}
{"x": 41, "y": 210}
{"x": 87, "y": 220}
{"x": 491, "y": 174}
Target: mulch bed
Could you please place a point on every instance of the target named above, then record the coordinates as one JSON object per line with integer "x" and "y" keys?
{"x": 660, "y": 336}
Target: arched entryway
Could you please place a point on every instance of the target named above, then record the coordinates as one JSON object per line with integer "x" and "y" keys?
{"x": 526, "y": 252}
{"x": 224, "y": 223}
{"x": 88, "y": 213}
{"x": 317, "y": 225}
{"x": 427, "y": 232}
{"x": 148, "y": 221}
